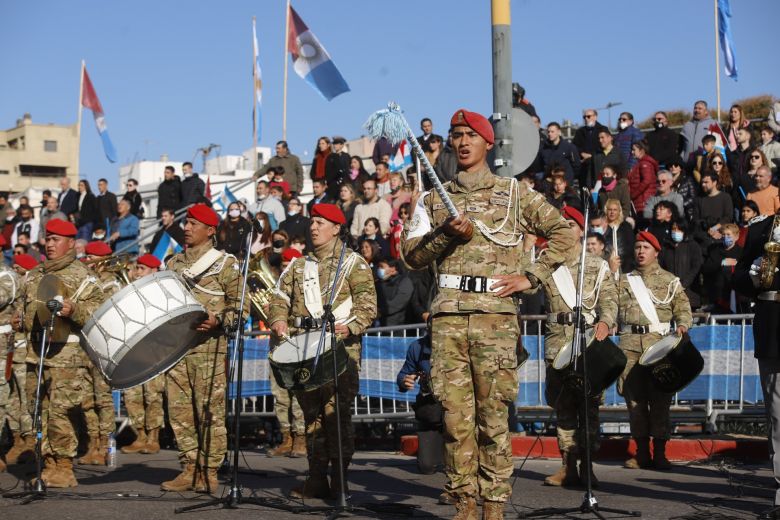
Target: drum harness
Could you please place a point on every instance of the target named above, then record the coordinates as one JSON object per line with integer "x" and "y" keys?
{"x": 210, "y": 263}
{"x": 647, "y": 301}
{"x": 565, "y": 283}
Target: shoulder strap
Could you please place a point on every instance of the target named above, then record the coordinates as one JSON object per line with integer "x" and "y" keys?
{"x": 565, "y": 283}
{"x": 642, "y": 295}
{"x": 203, "y": 263}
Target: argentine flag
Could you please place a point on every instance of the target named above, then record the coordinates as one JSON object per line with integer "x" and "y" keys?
{"x": 90, "y": 100}
{"x": 403, "y": 157}
{"x": 166, "y": 246}
{"x": 726, "y": 41}
{"x": 311, "y": 61}
{"x": 224, "y": 199}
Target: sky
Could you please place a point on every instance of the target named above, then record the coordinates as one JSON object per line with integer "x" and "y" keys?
{"x": 174, "y": 76}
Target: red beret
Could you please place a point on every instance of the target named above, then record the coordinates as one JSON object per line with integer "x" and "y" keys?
{"x": 571, "y": 213}
{"x": 204, "y": 214}
{"x": 290, "y": 253}
{"x": 646, "y": 236}
{"x": 329, "y": 212}
{"x": 25, "y": 261}
{"x": 98, "y": 248}
{"x": 57, "y": 226}
{"x": 476, "y": 122}
{"x": 149, "y": 261}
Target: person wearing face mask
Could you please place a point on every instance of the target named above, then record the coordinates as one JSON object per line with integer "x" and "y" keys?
{"x": 606, "y": 156}
{"x": 614, "y": 185}
{"x": 394, "y": 292}
{"x": 232, "y": 231}
{"x": 279, "y": 241}
{"x": 263, "y": 232}
{"x": 296, "y": 224}
{"x": 664, "y": 143}
{"x": 628, "y": 136}
{"x": 586, "y": 139}
{"x": 682, "y": 257}
{"x": 718, "y": 269}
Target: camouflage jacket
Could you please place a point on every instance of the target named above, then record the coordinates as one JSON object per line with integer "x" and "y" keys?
{"x": 80, "y": 287}
{"x": 660, "y": 283}
{"x": 223, "y": 279}
{"x": 494, "y": 202}
{"x": 9, "y": 286}
{"x": 109, "y": 283}
{"x": 287, "y": 300}
{"x": 605, "y": 308}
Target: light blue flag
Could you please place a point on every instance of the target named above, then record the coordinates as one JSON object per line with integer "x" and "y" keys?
{"x": 225, "y": 198}
{"x": 166, "y": 246}
{"x": 726, "y": 41}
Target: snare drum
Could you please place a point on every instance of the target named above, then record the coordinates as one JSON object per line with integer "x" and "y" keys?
{"x": 292, "y": 361}
{"x": 143, "y": 329}
{"x": 673, "y": 362}
{"x": 605, "y": 360}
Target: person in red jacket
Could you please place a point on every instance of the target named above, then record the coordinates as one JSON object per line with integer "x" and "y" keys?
{"x": 641, "y": 178}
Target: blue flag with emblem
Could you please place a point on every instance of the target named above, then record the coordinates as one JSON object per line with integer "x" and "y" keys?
{"x": 166, "y": 246}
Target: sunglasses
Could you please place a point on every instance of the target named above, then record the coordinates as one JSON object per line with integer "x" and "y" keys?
{"x": 624, "y": 119}
{"x": 659, "y": 119}
{"x": 756, "y": 157}
{"x": 716, "y": 163}
{"x": 588, "y": 116}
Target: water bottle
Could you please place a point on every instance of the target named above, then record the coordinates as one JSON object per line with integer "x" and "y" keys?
{"x": 111, "y": 458}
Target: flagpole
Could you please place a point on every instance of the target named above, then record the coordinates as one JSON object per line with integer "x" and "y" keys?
{"x": 286, "y": 50}
{"x": 78, "y": 123}
{"x": 717, "y": 61}
{"x": 254, "y": 93}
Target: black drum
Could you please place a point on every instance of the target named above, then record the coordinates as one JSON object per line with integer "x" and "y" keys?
{"x": 292, "y": 361}
{"x": 674, "y": 362}
{"x": 605, "y": 361}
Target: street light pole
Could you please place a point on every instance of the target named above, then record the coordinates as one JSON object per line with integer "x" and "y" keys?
{"x": 502, "y": 85}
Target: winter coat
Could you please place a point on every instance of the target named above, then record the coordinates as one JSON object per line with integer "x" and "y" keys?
{"x": 684, "y": 260}
{"x": 169, "y": 195}
{"x": 641, "y": 182}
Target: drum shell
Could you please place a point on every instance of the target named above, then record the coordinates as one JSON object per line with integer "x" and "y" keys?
{"x": 302, "y": 376}
{"x": 678, "y": 368}
{"x": 605, "y": 360}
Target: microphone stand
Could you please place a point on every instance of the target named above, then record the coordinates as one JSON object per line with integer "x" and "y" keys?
{"x": 37, "y": 490}
{"x": 589, "y": 502}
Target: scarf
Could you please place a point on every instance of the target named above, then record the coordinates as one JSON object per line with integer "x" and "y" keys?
{"x": 611, "y": 186}
{"x": 319, "y": 170}
{"x": 59, "y": 263}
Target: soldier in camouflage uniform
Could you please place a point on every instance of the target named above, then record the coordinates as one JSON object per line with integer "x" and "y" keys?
{"x": 474, "y": 329}
{"x": 648, "y": 407}
{"x": 65, "y": 364}
{"x": 196, "y": 385}
{"x": 291, "y": 312}
{"x": 600, "y": 310}
{"x": 144, "y": 402}
{"x": 19, "y": 419}
{"x": 99, "y": 413}
{"x": 8, "y": 286}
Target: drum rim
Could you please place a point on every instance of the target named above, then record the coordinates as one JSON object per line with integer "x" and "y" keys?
{"x": 288, "y": 341}
{"x": 643, "y": 357}
{"x": 589, "y": 342}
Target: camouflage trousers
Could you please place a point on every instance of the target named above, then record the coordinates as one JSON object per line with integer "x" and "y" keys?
{"x": 196, "y": 388}
{"x": 144, "y": 404}
{"x": 648, "y": 407}
{"x": 99, "y": 413}
{"x": 319, "y": 412}
{"x": 566, "y": 399}
{"x": 474, "y": 376}
{"x": 287, "y": 409}
{"x": 19, "y": 418}
{"x": 65, "y": 391}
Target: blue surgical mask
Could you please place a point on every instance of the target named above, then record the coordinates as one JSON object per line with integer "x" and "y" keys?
{"x": 599, "y": 230}
{"x": 728, "y": 241}
{"x": 677, "y": 236}
{"x": 380, "y": 273}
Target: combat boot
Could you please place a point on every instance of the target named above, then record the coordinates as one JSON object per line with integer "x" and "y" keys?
{"x": 28, "y": 452}
{"x": 19, "y": 447}
{"x": 659, "y": 455}
{"x": 206, "y": 481}
{"x": 566, "y": 474}
{"x": 284, "y": 449}
{"x": 63, "y": 476}
{"x": 315, "y": 486}
{"x": 465, "y": 509}
{"x": 299, "y": 446}
{"x": 152, "y": 442}
{"x": 184, "y": 481}
{"x": 94, "y": 455}
{"x": 492, "y": 510}
{"x": 138, "y": 444}
{"x": 642, "y": 457}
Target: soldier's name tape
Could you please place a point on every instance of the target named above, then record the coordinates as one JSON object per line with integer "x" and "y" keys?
{"x": 477, "y": 284}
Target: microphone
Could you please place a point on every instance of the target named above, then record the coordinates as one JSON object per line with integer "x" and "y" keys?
{"x": 55, "y": 304}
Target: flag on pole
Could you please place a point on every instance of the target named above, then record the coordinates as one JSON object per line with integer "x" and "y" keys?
{"x": 311, "y": 61}
{"x": 166, "y": 246}
{"x": 207, "y": 191}
{"x": 90, "y": 100}
{"x": 721, "y": 142}
{"x": 225, "y": 198}
{"x": 257, "y": 74}
{"x": 726, "y": 41}
{"x": 403, "y": 157}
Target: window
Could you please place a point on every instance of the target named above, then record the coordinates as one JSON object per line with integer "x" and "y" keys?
{"x": 50, "y": 146}
{"x": 4, "y": 172}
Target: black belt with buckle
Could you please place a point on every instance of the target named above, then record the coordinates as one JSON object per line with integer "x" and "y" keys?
{"x": 477, "y": 284}
{"x": 307, "y": 322}
{"x": 561, "y": 318}
{"x": 640, "y": 329}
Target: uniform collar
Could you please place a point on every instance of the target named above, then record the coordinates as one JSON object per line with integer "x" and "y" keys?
{"x": 326, "y": 251}
{"x": 192, "y": 253}
{"x": 466, "y": 182}
{"x": 649, "y": 270}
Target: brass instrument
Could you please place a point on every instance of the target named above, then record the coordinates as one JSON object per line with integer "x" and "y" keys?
{"x": 116, "y": 264}
{"x": 771, "y": 258}
{"x": 260, "y": 283}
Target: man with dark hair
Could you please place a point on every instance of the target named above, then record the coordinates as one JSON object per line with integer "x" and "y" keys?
{"x": 320, "y": 188}
{"x": 337, "y": 167}
{"x": 712, "y": 209}
{"x": 519, "y": 100}
{"x": 595, "y": 245}
{"x": 167, "y": 225}
{"x": 426, "y": 125}
{"x": 169, "y": 191}
{"x": 627, "y": 136}
{"x": 296, "y": 224}
{"x": 558, "y": 152}
{"x": 699, "y": 160}
{"x": 382, "y": 178}
{"x": 106, "y": 204}
{"x": 607, "y": 155}
{"x": 664, "y": 143}
{"x": 739, "y": 159}
{"x": 293, "y": 170}
{"x": 26, "y": 224}
{"x": 193, "y": 189}
{"x": 586, "y": 139}
{"x": 134, "y": 198}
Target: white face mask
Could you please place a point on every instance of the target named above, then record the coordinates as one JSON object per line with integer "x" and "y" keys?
{"x": 260, "y": 224}
{"x": 623, "y": 125}
{"x": 234, "y": 213}
{"x": 590, "y": 123}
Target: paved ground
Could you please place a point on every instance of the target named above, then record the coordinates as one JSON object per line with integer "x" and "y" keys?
{"x": 693, "y": 491}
